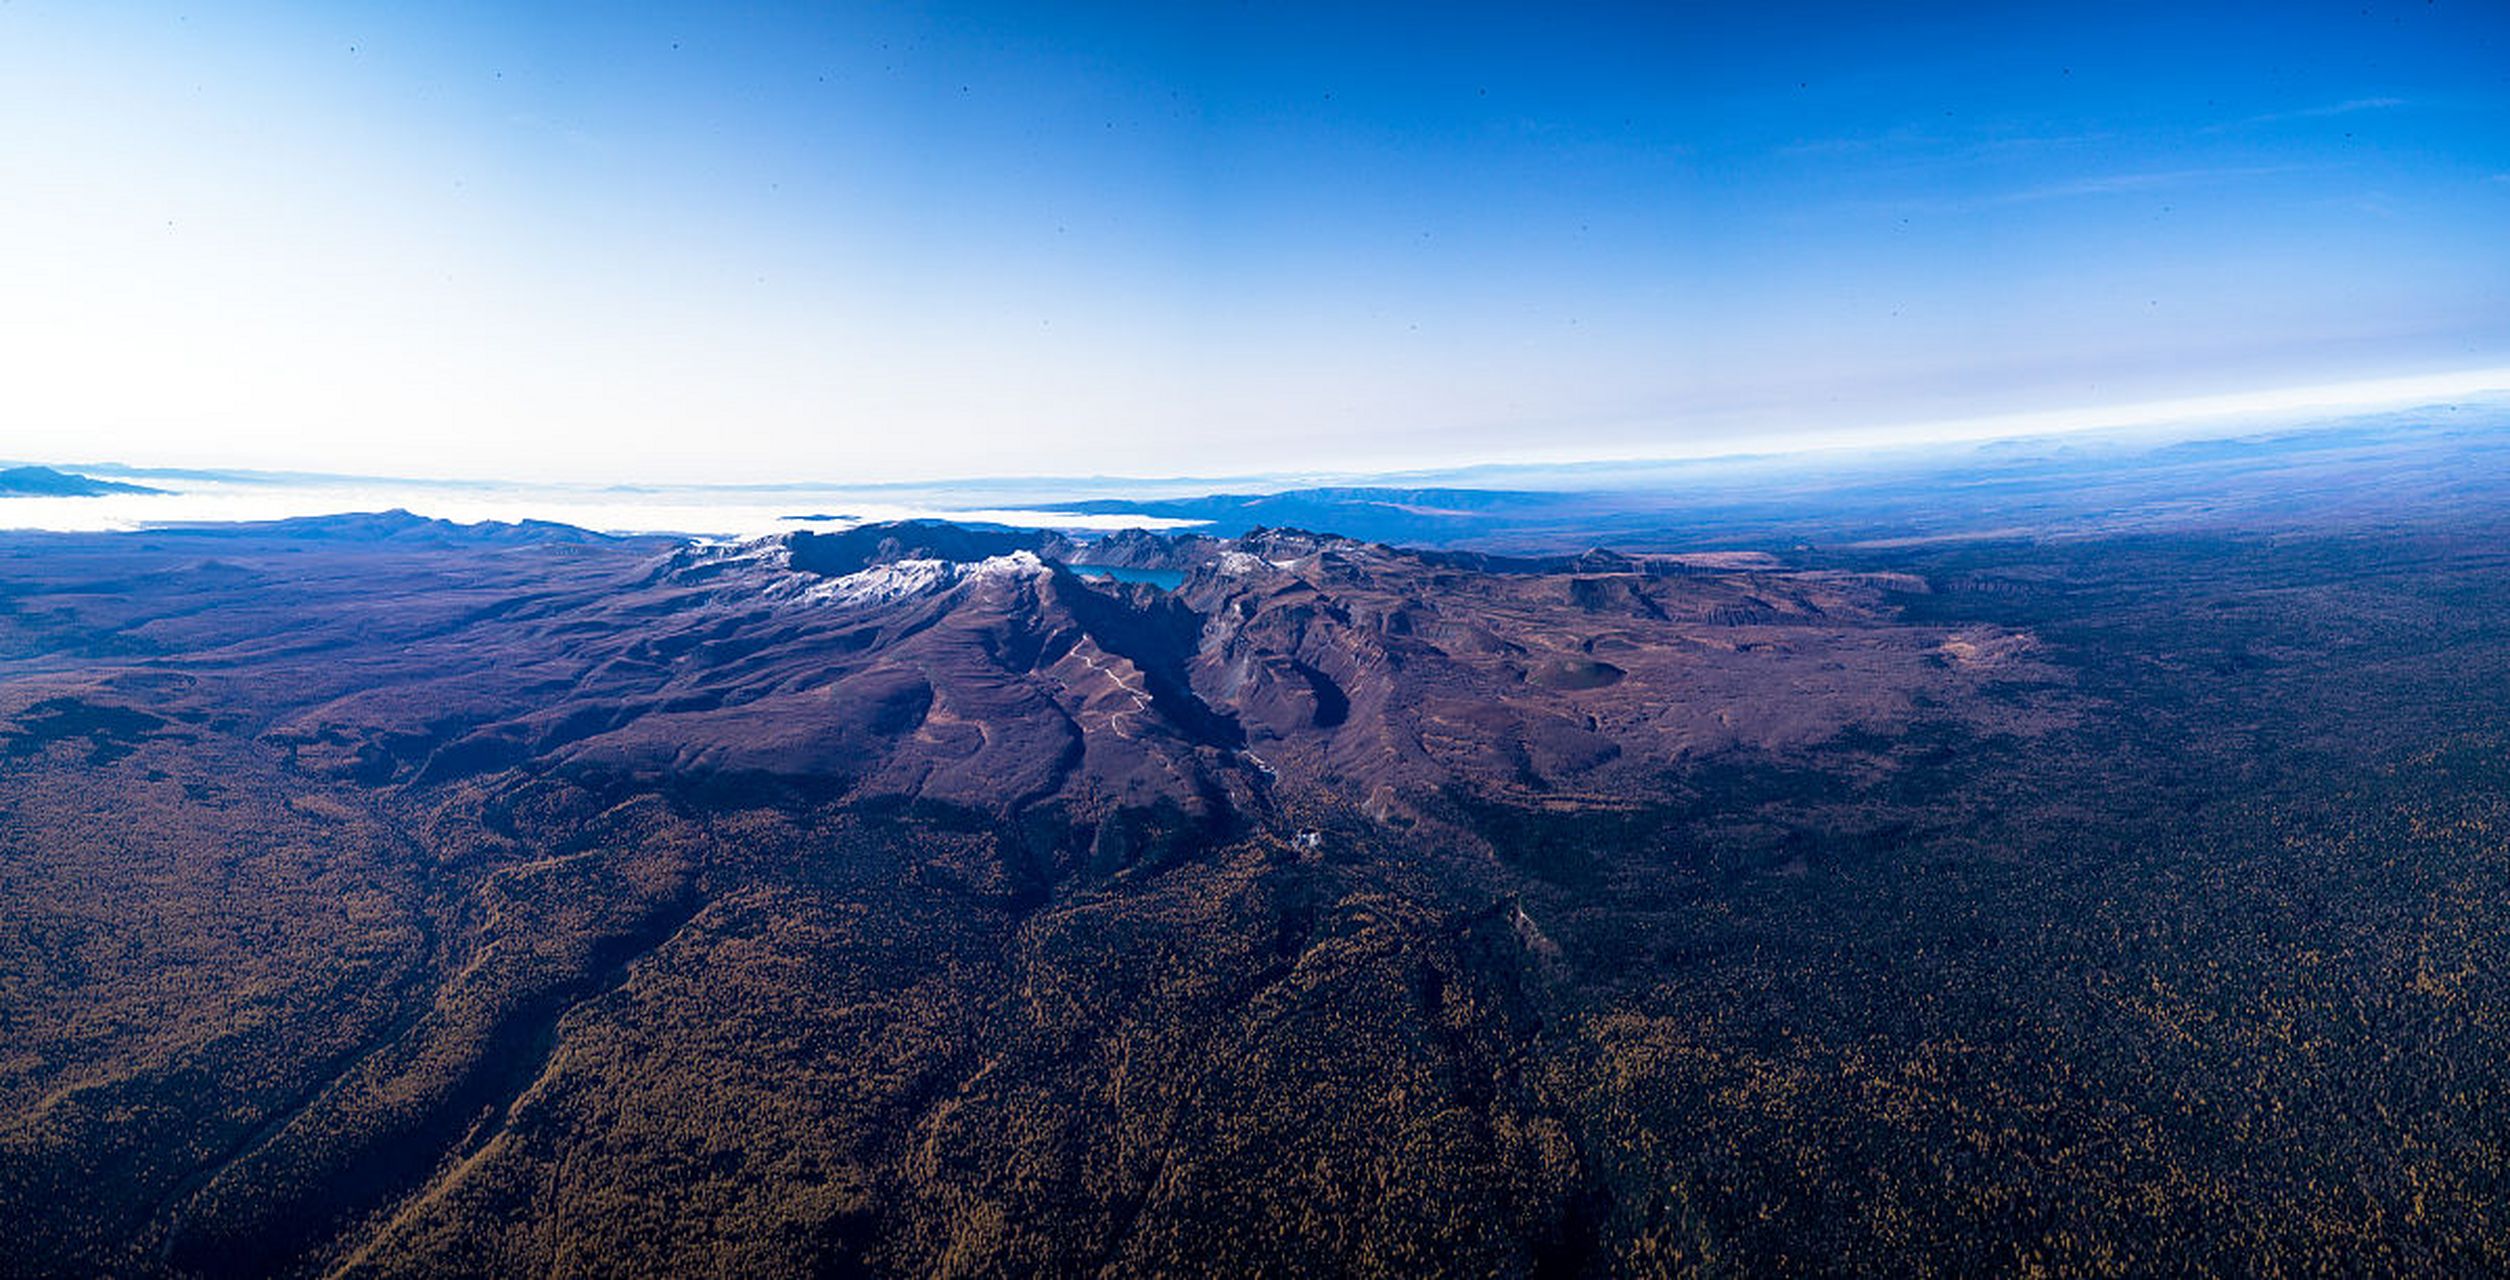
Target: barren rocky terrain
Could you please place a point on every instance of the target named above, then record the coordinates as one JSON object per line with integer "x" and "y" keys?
{"x": 385, "y": 896}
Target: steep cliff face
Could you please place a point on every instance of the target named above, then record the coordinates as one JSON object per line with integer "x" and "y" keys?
{"x": 1142, "y": 549}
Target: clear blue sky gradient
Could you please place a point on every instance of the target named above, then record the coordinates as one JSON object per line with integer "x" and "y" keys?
{"x": 745, "y": 241}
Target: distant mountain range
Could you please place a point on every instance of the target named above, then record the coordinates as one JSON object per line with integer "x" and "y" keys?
{"x": 2072, "y": 486}
{"x": 44, "y": 482}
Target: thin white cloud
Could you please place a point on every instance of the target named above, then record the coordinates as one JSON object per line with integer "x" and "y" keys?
{"x": 2268, "y": 405}
{"x": 2350, "y": 106}
{"x": 2194, "y": 414}
{"x": 2345, "y": 108}
{"x": 1927, "y": 147}
{"x": 2146, "y": 180}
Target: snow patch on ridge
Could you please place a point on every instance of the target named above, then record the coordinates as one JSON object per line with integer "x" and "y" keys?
{"x": 762, "y": 569}
{"x": 899, "y": 579}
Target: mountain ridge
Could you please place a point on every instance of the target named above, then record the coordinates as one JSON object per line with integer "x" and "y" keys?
{"x": 45, "y": 482}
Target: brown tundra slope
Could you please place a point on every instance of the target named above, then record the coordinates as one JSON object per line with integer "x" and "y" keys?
{"x": 380, "y": 896}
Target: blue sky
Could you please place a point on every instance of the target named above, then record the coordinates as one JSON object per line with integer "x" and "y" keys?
{"x": 754, "y": 242}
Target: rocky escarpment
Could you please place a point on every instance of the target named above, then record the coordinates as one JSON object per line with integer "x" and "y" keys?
{"x": 869, "y": 664}
{"x": 1142, "y": 549}
{"x": 1388, "y": 675}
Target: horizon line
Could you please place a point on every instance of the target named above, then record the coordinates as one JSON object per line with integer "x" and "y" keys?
{"x": 2348, "y": 398}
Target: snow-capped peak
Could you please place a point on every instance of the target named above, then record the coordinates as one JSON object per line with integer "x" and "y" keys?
{"x": 882, "y": 583}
